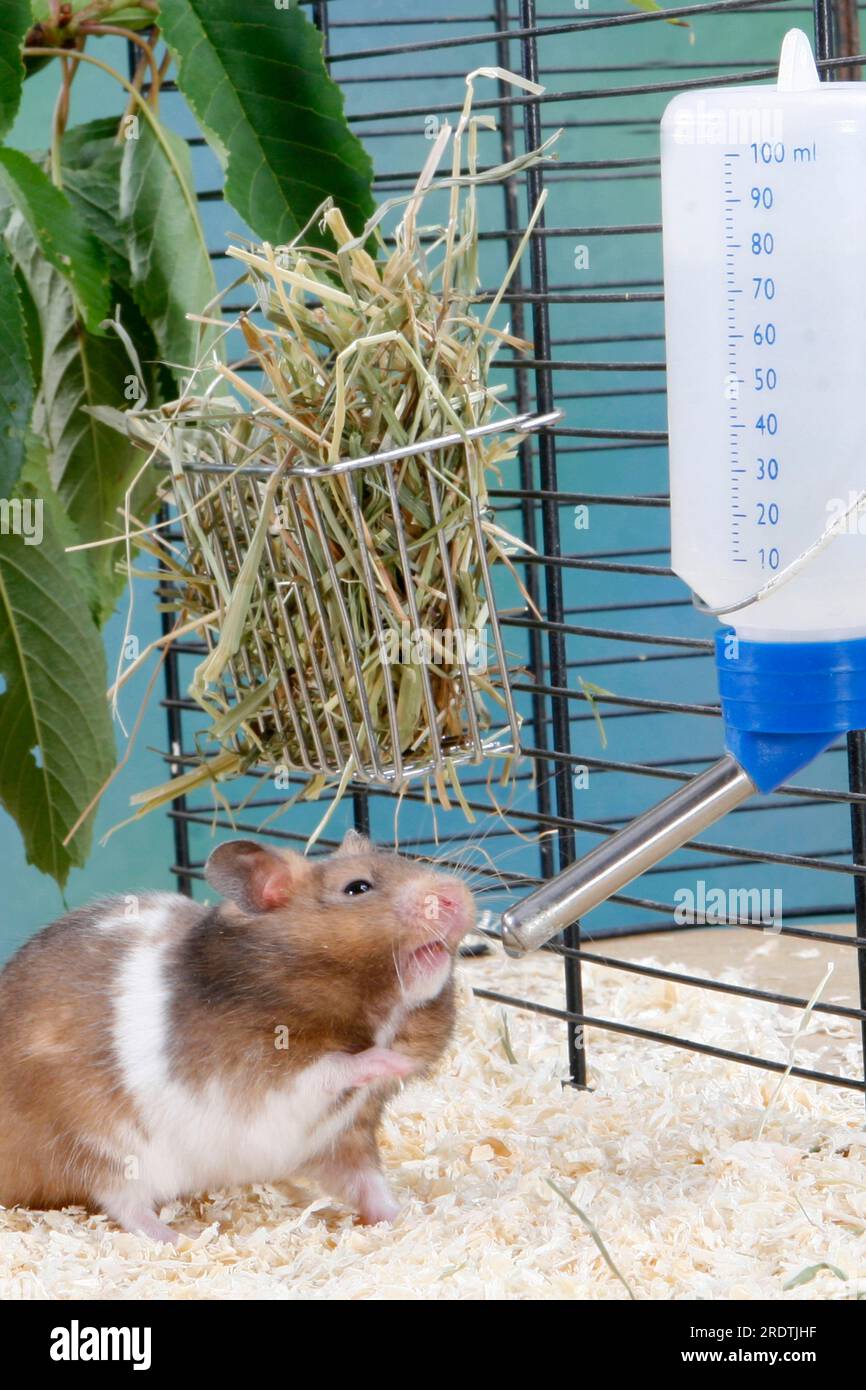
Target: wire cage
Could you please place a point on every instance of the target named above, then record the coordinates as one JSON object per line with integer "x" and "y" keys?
{"x": 617, "y": 693}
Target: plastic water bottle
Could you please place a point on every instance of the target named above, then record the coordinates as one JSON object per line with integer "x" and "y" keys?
{"x": 764, "y": 217}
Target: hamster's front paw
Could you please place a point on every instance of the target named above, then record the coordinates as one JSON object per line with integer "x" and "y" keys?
{"x": 379, "y": 1064}
{"x": 349, "y": 1070}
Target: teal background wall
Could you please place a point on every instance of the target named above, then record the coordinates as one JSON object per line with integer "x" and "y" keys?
{"x": 595, "y": 129}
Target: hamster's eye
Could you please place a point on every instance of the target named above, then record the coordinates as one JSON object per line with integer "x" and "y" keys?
{"x": 358, "y": 885}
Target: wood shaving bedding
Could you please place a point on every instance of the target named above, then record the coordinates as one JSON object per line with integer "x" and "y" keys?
{"x": 661, "y": 1156}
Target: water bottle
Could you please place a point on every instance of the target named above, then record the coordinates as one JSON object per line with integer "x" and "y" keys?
{"x": 764, "y": 215}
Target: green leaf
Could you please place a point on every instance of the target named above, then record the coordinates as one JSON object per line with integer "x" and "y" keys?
{"x": 14, "y": 23}
{"x": 138, "y": 200}
{"x": 90, "y": 160}
{"x": 171, "y": 270}
{"x": 90, "y": 465}
{"x": 256, "y": 80}
{"x": 31, "y": 320}
{"x": 808, "y": 1274}
{"x": 159, "y": 229}
{"x": 56, "y": 743}
{"x": 16, "y": 377}
{"x": 37, "y": 473}
{"x": 62, "y": 239}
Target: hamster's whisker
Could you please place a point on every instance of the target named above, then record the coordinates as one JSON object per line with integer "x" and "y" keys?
{"x": 439, "y": 936}
{"x": 496, "y": 817}
{"x": 468, "y": 845}
{"x": 442, "y": 847}
{"x": 477, "y": 845}
{"x": 396, "y": 961}
{"x": 485, "y": 933}
{"x": 458, "y": 860}
{"x": 479, "y": 875}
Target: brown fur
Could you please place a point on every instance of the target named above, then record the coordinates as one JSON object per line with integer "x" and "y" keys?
{"x": 60, "y": 1089}
{"x": 298, "y": 959}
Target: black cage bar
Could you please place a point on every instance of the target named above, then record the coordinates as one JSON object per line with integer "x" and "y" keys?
{"x": 615, "y": 609}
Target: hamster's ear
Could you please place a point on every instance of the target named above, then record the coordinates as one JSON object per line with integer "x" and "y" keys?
{"x": 353, "y": 843}
{"x": 256, "y": 879}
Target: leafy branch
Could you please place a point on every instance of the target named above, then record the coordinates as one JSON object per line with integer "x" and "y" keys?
{"x": 103, "y": 228}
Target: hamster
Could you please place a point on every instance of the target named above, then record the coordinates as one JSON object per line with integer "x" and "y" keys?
{"x": 153, "y": 1051}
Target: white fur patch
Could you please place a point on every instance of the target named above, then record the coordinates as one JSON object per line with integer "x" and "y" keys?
{"x": 427, "y": 986}
{"x": 387, "y": 1031}
{"x": 203, "y": 1138}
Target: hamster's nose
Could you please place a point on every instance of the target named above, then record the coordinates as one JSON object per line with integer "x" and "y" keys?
{"x": 450, "y": 909}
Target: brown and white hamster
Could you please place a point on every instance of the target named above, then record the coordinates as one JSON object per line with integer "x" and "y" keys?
{"x": 155, "y": 1048}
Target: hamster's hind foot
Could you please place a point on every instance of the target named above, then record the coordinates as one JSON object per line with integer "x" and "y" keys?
{"x": 139, "y": 1219}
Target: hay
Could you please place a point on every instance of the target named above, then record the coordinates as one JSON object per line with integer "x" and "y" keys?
{"x": 661, "y": 1156}
{"x": 348, "y": 615}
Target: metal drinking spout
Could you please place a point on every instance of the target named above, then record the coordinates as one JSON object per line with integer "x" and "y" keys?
{"x": 624, "y": 856}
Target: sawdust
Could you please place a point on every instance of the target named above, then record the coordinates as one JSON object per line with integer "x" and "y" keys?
{"x": 662, "y": 1156}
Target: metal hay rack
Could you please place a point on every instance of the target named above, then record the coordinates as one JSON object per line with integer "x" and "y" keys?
{"x": 319, "y": 685}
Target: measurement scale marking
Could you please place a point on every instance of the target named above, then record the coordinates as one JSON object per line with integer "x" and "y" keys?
{"x": 734, "y": 337}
